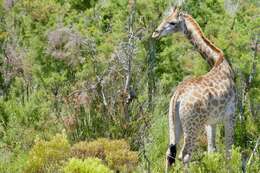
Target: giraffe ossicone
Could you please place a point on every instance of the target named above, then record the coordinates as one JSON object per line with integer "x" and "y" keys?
{"x": 203, "y": 101}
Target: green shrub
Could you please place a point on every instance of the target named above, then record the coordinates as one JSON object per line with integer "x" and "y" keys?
{"x": 89, "y": 149}
{"x": 116, "y": 153}
{"x": 46, "y": 156}
{"x": 236, "y": 162}
{"x": 216, "y": 162}
{"x": 40, "y": 10}
{"x": 12, "y": 162}
{"x": 123, "y": 160}
{"x": 212, "y": 162}
{"x": 255, "y": 164}
{"x": 89, "y": 165}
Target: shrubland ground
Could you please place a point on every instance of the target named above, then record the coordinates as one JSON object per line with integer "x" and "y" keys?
{"x": 84, "y": 88}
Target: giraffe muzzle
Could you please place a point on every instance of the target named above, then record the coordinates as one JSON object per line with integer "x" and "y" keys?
{"x": 156, "y": 34}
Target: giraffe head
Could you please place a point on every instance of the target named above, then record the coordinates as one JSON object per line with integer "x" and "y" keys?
{"x": 171, "y": 24}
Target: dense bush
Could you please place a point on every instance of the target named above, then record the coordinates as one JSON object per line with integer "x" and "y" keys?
{"x": 48, "y": 156}
{"x": 116, "y": 153}
{"x": 215, "y": 162}
{"x": 91, "y": 67}
{"x": 122, "y": 160}
{"x": 90, "y": 165}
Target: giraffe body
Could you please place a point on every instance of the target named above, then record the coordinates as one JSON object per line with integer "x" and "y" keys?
{"x": 199, "y": 102}
{"x": 202, "y": 101}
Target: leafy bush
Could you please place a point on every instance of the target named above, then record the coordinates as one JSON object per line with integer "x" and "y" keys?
{"x": 40, "y": 10}
{"x": 210, "y": 163}
{"x": 255, "y": 165}
{"x": 11, "y": 162}
{"x": 89, "y": 165}
{"x": 116, "y": 153}
{"x": 47, "y": 156}
{"x": 216, "y": 162}
{"x": 123, "y": 160}
{"x": 89, "y": 149}
{"x": 157, "y": 146}
{"x": 50, "y": 50}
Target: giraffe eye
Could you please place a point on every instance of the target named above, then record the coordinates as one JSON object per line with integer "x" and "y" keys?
{"x": 172, "y": 23}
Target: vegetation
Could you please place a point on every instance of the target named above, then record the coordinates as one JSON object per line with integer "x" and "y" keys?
{"x": 57, "y": 155}
{"x": 116, "y": 153}
{"x": 46, "y": 156}
{"x": 89, "y": 165}
{"x": 89, "y": 71}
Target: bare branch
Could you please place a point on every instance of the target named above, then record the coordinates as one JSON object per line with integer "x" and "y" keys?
{"x": 254, "y": 151}
{"x": 248, "y": 82}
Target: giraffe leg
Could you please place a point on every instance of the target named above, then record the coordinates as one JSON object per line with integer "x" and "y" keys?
{"x": 190, "y": 136}
{"x": 187, "y": 150}
{"x": 211, "y": 137}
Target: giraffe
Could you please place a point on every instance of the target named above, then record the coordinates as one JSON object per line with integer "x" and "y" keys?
{"x": 202, "y": 101}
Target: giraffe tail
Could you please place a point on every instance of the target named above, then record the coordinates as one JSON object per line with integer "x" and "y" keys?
{"x": 174, "y": 130}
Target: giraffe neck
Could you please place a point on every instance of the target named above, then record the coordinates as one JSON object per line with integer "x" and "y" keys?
{"x": 213, "y": 55}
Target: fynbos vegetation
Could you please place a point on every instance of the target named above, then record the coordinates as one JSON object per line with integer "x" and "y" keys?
{"x": 84, "y": 87}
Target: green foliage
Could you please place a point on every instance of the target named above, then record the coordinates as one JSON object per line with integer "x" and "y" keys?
{"x": 89, "y": 165}
{"x": 52, "y": 156}
{"x": 82, "y": 4}
{"x": 158, "y": 133}
{"x": 116, "y": 153}
{"x": 254, "y": 165}
{"x": 12, "y": 161}
{"x": 47, "y": 156}
{"x": 63, "y": 64}
{"x": 216, "y": 162}
{"x": 122, "y": 160}
{"x": 40, "y": 11}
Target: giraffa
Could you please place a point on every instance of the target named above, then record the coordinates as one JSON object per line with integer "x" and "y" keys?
{"x": 199, "y": 102}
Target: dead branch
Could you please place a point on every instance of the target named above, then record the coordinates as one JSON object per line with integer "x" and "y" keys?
{"x": 248, "y": 81}
{"x": 254, "y": 151}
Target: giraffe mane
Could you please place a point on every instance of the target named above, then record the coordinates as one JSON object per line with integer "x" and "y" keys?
{"x": 207, "y": 41}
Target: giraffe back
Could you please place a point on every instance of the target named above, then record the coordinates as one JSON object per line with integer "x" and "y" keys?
{"x": 206, "y": 98}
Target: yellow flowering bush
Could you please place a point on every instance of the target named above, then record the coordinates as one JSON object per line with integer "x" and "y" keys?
{"x": 48, "y": 155}
{"x": 89, "y": 165}
{"x": 116, "y": 153}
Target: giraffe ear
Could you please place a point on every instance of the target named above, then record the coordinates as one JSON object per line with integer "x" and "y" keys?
{"x": 180, "y": 14}
{"x": 174, "y": 8}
